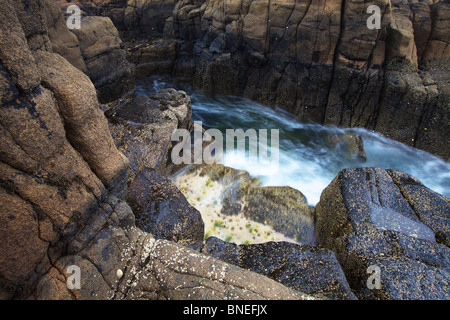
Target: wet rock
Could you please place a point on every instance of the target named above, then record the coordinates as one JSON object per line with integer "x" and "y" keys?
{"x": 285, "y": 209}
{"x": 349, "y": 145}
{"x": 303, "y": 268}
{"x": 386, "y": 220}
{"x": 162, "y": 210}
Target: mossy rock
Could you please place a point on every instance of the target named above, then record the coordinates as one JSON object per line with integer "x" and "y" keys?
{"x": 285, "y": 209}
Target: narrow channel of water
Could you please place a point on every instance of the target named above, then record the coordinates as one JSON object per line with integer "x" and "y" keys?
{"x": 307, "y": 160}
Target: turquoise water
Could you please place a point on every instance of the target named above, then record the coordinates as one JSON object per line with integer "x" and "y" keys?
{"x": 307, "y": 162}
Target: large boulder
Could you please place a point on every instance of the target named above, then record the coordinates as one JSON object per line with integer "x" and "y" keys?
{"x": 387, "y": 222}
{"x": 142, "y": 129}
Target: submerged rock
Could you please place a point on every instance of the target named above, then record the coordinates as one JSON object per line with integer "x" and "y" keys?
{"x": 284, "y": 209}
{"x": 385, "y": 220}
{"x": 348, "y": 145}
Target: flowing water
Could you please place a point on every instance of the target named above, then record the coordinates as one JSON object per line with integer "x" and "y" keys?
{"x": 307, "y": 161}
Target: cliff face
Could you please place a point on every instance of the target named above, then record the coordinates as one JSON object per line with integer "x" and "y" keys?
{"x": 317, "y": 59}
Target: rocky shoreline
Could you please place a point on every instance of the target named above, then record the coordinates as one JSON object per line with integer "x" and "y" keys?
{"x": 85, "y": 162}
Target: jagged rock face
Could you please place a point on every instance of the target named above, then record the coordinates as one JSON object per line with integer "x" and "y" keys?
{"x": 142, "y": 130}
{"x": 317, "y": 59}
{"x": 95, "y": 49}
{"x": 388, "y": 220}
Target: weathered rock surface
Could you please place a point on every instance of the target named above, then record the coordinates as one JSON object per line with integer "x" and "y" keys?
{"x": 64, "y": 42}
{"x": 149, "y": 268}
{"x": 57, "y": 155}
{"x": 316, "y": 59}
{"x": 106, "y": 62}
{"x": 142, "y": 129}
{"x": 306, "y": 269}
{"x": 388, "y": 220}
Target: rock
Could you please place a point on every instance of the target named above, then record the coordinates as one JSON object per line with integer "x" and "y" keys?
{"x": 153, "y": 269}
{"x": 388, "y": 221}
{"x": 142, "y": 129}
{"x": 19, "y": 64}
{"x": 152, "y": 57}
{"x": 161, "y": 209}
{"x": 64, "y": 42}
{"x": 147, "y": 17}
{"x": 283, "y": 208}
{"x": 350, "y": 146}
{"x": 303, "y": 268}
{"x": 83, "y": 119}
{"x": 106, "y": 63}
{"x": 57, "y": 157}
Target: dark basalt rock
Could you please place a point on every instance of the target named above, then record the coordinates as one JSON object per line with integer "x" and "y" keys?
{"x": 161, "y": 209}
{"x": 307, "y": 269}
{"x": 388, "y": 219}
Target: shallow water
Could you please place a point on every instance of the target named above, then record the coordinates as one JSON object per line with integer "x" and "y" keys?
{"x": 306, "y": 161}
